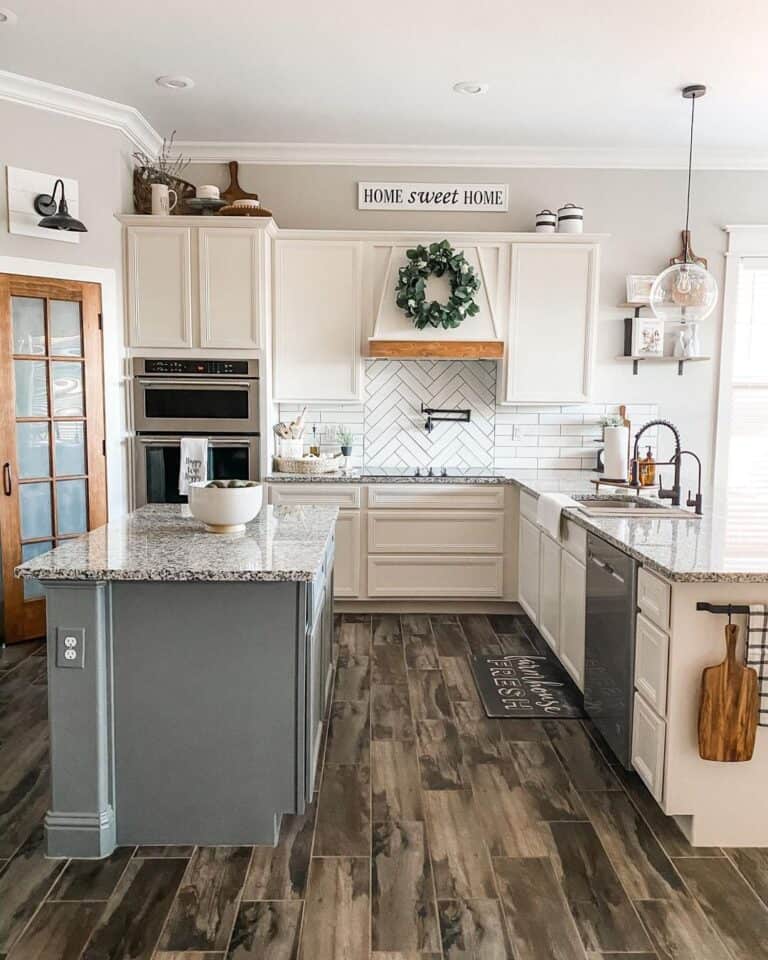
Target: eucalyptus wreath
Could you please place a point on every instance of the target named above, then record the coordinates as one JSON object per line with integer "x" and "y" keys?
{"x": 436, "y": 260}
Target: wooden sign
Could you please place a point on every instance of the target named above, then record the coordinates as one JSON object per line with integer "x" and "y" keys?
{"x": 468, "y": 197}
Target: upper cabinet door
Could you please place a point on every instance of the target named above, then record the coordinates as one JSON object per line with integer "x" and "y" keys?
{"x": 551, "y": 326}
{"x": 231, "y": 287}
{"x": 318, "y": 308}
{"x": 159, "y": 286}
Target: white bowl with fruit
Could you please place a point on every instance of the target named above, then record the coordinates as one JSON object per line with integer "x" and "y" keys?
{"x": 225, "y": 506}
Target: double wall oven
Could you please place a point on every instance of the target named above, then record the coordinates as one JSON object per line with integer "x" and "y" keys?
{"x": 175, "y": 398}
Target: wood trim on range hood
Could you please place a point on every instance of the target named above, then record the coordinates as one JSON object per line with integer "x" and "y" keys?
{"x": 436, "y": 349}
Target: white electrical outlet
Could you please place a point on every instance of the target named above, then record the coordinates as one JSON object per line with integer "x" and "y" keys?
{"x": 70, "y": 647}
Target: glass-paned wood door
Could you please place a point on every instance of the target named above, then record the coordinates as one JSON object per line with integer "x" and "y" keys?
{"x": 53, "y": 484}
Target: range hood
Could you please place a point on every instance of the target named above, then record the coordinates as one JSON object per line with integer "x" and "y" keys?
{"x": 476, "y": 338}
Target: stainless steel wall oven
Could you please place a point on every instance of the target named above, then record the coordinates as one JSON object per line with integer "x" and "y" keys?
{"x": 175, "y": 398}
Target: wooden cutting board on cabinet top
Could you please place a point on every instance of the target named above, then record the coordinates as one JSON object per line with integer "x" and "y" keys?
{"x": 234, "y": 191}
{"x": 729, "y": 707}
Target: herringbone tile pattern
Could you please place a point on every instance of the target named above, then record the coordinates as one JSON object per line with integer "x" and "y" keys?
{"x": 394, "y": 425}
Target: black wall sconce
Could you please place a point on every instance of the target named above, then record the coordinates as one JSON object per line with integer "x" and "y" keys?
{"x": 57, "y": 219}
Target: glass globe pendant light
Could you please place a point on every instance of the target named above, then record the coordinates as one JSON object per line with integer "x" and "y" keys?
{"x": 686, "y": 292}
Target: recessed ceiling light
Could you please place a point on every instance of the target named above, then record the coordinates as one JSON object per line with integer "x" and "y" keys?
{"x": 7, "y": 16}
{"x": 471, "y": 87}
{"x": 175, "y": 83}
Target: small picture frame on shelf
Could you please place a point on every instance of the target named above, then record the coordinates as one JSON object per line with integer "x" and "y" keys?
{"x": 647, "y": 337}
{"x": 639, "y": 288}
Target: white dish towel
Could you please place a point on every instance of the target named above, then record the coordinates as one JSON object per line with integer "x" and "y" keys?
{"x": 757, "y": 654}
{"x": 193, "y": 463}
{"x": 549, "y": 509}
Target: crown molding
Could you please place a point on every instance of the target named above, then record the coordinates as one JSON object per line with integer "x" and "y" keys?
{"x": 134, "y": 125}
{"x": 83, "y": 106}
{"x": 415, "y": 155}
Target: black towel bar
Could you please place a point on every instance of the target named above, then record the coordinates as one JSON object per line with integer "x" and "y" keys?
{"x": 726, "y": 608}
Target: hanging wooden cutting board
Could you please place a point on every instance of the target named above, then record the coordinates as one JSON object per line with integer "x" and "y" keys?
{"x": 729, "y": 705}
{"x": 234, "y": 191}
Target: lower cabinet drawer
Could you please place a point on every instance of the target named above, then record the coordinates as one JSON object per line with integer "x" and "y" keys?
{"x": 649, "y": 733}
{"x": 434, "y": 576}
{"x": 344, "y": 495}
{"x": 574, "y": 540}
{"x": 653, "y": 597}
{"x": 455, "y": 496}
{"x": 651, "y": 657}
{"x": 412, "y": 531}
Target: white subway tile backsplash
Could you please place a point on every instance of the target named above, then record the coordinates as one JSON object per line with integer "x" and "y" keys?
{"x": 388, "y": 428}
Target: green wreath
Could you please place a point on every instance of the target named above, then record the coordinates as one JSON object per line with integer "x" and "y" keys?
{"x": 412, "y": 284}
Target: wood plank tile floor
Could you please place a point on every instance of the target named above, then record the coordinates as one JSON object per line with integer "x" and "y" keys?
{"x": 435, "y": 833}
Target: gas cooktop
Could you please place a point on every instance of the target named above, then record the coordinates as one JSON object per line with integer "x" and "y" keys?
{"x": 435, "y": 471}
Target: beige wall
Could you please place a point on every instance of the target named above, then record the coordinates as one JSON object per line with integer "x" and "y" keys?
{"x": 98, "y": 158}
{"x": 643, "y": 211}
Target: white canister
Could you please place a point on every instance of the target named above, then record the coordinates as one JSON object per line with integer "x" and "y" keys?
{"x": 546, "y": 221}
{"x": 161, "y": 199}
{"x": 616, "y": 453}
{"x": 207, "y": 191}
{"x": 570, "y": 219}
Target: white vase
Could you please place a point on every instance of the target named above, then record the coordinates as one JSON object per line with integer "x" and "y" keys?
{"x": 693, "y": 345}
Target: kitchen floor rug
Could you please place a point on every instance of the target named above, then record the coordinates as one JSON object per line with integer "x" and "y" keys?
{"x": 526, "y": 686}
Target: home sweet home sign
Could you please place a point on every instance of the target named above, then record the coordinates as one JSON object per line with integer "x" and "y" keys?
{"x": 477, "y": 197}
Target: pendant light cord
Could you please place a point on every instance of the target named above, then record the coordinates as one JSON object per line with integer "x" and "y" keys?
{"x": 688, "y": 195}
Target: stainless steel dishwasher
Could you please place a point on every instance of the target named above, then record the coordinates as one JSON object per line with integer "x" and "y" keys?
{"x": 609, "y": 662}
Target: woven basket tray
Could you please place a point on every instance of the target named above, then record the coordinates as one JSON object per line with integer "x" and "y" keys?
{"x": 307, "y": 467}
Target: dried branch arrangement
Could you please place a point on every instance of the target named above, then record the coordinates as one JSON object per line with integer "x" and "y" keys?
{"x": 164, "y": 167}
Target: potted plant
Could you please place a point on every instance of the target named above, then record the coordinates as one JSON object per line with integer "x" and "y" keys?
{"x": 164, "y": 168}
{"x": 345, "y": 437}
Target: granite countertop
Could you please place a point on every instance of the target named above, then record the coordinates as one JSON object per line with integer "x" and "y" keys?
{"x": 682, "y": 550}
{"x": 163, "y": 542}
{"x": 566, "y": 481}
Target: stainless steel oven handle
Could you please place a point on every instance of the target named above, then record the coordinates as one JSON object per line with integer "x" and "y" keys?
{"x": 170, "y": 442}
{"x": 160, "y": 384}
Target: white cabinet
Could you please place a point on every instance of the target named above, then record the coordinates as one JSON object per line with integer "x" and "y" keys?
{"x": 318, "y": 320}
{"x": 435, "y": 575}
{"x": 528, "y": 569}
{"x": 231, "y": 287}
{"x": 549, "y": 590}
{"x": 648, "y": 741}
{"x": 573, "y": 599}
{"x": 435, "y": 531}
{"x": 160, "y": 286}
{"x": 197, "y": 284}
{"x": 653, "y": 598}
{"x": 651, "y": 663}
{"x": 346, "y": 574}
{"x": 551, "y": 324}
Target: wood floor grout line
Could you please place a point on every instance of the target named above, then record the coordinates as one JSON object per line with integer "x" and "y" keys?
{"x": 729, "y": 858}
{"x": 38, "y": 908}
{"x": 171, "y": 903}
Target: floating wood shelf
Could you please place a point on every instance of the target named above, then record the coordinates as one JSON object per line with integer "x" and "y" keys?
{"x": 436, "y": 349}
{"x": 680, "y": 361}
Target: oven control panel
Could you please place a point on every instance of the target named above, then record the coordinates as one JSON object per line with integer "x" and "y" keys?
{"x": 207, "y": 368}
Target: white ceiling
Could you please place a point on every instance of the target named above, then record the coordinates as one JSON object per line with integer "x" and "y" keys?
{"x": 597, "y": 74}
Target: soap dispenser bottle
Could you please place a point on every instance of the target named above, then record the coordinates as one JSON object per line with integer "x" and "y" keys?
{"x": 647, "y": 470}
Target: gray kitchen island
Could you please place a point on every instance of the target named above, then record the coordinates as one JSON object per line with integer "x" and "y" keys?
{"x": 188, "y": 675}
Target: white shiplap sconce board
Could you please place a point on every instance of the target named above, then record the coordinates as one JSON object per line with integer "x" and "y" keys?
{"x": 23, "y": 187}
